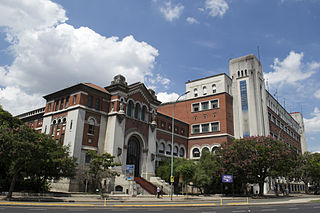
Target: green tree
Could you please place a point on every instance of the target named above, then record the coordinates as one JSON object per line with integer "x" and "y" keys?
{"x": 27, "y": 154}
{"x": 100, "y": 167}
{"x": 252, "y": 160}
{"x": 206, "y": 175}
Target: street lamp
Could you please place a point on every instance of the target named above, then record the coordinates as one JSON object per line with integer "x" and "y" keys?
{"x": 172, "y": 129}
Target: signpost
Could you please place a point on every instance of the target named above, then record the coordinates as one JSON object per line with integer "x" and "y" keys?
{"x": 228, "y": 179}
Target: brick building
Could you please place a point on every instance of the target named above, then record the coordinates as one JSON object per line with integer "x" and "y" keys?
{"x": 129, "y": 122}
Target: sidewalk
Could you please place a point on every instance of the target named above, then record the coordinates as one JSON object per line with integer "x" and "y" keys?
{"x": 149, "y": 200}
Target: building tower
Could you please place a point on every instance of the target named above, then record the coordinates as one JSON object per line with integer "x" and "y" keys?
{"x": 249, "y": 97}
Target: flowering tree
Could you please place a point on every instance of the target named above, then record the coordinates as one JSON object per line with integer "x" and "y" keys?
{"x": 253, "y": 159}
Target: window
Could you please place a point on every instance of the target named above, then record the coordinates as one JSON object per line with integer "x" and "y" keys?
{"x": 91, "y": 129}
{"x": 168, "y": 151}
{"x": 242, "y": 73}
{"x": 195, "y": 107}
{"x": 89, "y": 140}
{"x": 143, "y": 113}
{"x": 195, "y": 91}
{"x": 214, "y": 149}
{"x": 57, "y": 105}
{"x": 204, "y": 90}
{"x": 74, "y": 99}
{"x": 161, "y": 149}
{"x": 196, "y": 129}
{"x": 61, "y": 104}
{"x": 214, "y": 88}
{"x": 90, "y": 101}
{"x": 67, "y": 102}
{"x": 97, "y": 105}
{"x": 137, "y": 111}
{"x": 181, "y": 154}
{"x": 175, "y": 151}
{"x": 205, "y": 105}
{"x": 246, "y": 73}
{"x": 205, "y": 127}
{"x": 61, "y": 139}
{"x": 215, "y": 127}
{"x": 49, "y": 107}
{"x": 71, "y": 124}
{"x": 88, "y": 158}
{"x": 129, "y": 109}
{"x": 238, "y": 73}
{"x": 214, "y": 104}
{"x": 195, "y": 153}
{"x": 205, "y": 149}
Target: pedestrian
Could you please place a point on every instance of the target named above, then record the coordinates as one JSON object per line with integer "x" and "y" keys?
{"x": 158, "y": 191}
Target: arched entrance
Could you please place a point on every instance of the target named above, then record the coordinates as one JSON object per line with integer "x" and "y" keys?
{"x": 133, "y": 155}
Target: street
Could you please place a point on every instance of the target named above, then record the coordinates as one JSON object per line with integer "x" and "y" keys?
{"x": 306, "y": 208}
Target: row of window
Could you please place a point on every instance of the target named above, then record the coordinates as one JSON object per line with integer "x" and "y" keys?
{"x": 166, "y": 150}
{"x": 207, "y": 127}
{"x": 213, "y": 104}
{"x": 136, "y": 111}
{"x": 205, "y": 91}
{"x": 96, "y": 103}
{"x": 241, "y": 74}
{"x": 284, "y": 127}
{"x": 168, "y": 126}
{"x": 63, "y": 103}
{"x": 196, "y": 151}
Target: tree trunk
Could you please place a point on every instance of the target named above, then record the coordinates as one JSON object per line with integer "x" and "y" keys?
{"x": 12, "y": 184}
{"x": 261, "y": 187}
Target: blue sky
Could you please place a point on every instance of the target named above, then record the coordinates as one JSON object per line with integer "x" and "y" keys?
{"x": 48, "y": 45}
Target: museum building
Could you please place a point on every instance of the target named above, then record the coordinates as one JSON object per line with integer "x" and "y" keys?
{"x": 129, "y": 122}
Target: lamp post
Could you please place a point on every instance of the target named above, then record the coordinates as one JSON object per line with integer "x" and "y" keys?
{"x": 172, "y": 129}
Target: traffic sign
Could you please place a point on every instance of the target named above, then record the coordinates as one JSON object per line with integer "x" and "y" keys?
{"x": 171, "y": 179}
{"x": 227, "y": 179}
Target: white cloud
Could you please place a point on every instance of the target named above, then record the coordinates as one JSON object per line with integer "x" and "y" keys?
{"x": 313, "y": 124}
{"x": 171, "y": 12}
{"x": 291, "y": 70}
{"x": 153, "y": 82}
{"x": 167, "y": 97}
{"x": 216, "y": 7}
{"x": 192, "y": 20}
{"x": 317, "y": 94}
{"x": 51, "y": 55}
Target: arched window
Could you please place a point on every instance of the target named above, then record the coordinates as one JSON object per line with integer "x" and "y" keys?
{"x": 161, "y": 148}
{"x": 181, "y": 154}
{"x": 143, "y": 113}
{"x": 245, "y": 71}
{"x": 137, "y": 110}
{"x": 91, "y": 123}
{"x": 205, "y": 149}
{"x": 238, "y": 73}
{"x": 168, "y": 151}
{"x": 214, "y": 149}
{"x": 204, "y": 90}
{"x": 195, "y": 91}
{"x": 214, "y": 88}
{"x": 241, "y": 73}
{"x": 129, "y": 108}
{"x": 195, "y": 153}
{"x": 175, "y": 151}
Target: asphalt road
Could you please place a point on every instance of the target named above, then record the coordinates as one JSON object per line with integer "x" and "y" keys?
{"x": 292, "y": 208}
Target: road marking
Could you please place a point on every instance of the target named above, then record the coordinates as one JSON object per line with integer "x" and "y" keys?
{"x": 37, "y": 209}
{"x": 268, "y": 210}
{"x": 159, "y": 205}
{"x": 44, "y": 204}
{"x": 239, "y": 211}
{"x": 293, "y": 208}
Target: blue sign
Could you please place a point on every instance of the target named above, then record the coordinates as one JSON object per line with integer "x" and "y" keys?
{"x": 244, "y": 95}
{"x": 129, "y": 172}
{"x": 227, "y": 178}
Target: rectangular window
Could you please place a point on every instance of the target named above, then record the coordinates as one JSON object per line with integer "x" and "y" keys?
{"x": 74, "y": 99}
{"x": 205, "y": 127}
{"x": 91, "y": 129}
{"x": 196, "y": 129}
{"x": 88, "y": 158}
{"x": 97, "y": 105}
{"x": 49, "y": 107}
{"x": 61, "y": 104}
{"x": 205, "y": 105}
{"x": 57, "y": 105}
{"x": 214, "y": 104}
{"x": 215, "y": 127}
{"x": 195, "y": 107}
{"x": 90, "y": 101}
{"x": 61, "y": 138}
{"x": 67, "y": 102}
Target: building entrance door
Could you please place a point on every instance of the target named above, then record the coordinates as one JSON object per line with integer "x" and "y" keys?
{"x": 133, "y": 155}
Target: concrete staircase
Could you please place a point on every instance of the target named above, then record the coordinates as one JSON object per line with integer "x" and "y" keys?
{"x": 146, "y": 185}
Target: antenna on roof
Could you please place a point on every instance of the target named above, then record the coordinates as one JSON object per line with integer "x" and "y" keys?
{"x": 284, "y": 103}
{"x": 258, "y": 52}
{"x": 267, "y": 83}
